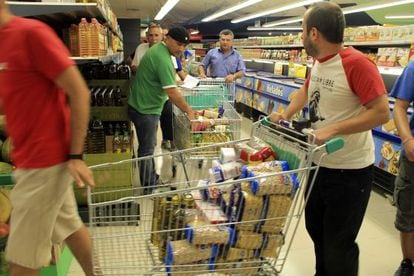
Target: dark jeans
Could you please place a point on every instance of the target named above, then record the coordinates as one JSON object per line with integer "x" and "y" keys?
{"x": 166, "y": 120}
{"x": 146, "y": 129}
{"x": 333, "y": 217}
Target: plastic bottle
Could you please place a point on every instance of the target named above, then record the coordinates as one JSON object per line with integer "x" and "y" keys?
{"x": 116, "y": 142}
{"x": 108, "y": 100}
{"x": 84, "y": 38}
{"x": 97, "y": 136}
{"x": 118, "y": 97}
{"x": 126, "y": 142}
{"x": 94, "y": 35}
{"x": 179, "y": 222}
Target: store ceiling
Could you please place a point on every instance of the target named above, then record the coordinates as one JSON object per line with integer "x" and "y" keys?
{"x": 190, "y": 13}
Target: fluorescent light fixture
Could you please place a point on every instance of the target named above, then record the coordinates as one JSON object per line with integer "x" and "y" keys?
{"x": 399, "y": 16}
{"x": 362, "y": 8}
{"x": 230, "y": 10}
{"x": 274, "y": 11}
{"x": 354, "y": 9}
{"x": 165, "y": 9}
{"x": 283, "y": 22}
{"x": 195, "y": 32}
{"x": 287, "y": 28}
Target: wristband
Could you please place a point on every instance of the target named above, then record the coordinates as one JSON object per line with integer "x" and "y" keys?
{"x": 75, "y": 156}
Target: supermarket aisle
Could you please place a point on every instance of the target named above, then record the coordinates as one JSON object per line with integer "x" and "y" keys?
{"x": 378, "y": 240}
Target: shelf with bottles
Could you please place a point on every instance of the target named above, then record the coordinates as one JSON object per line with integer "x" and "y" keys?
{"x": 68, "y": 12}
{"x": 115, "y": 58}
{"x": 108, "y": 137}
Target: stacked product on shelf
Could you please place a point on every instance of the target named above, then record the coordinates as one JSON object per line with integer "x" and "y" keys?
{"x": 109, "y": 133}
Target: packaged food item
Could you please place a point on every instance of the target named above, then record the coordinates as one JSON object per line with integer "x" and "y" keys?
{"x": 210, "y": 212}
{"x": 234, "y": 254}
{"x": 227, "y": 155}
{"x": 199, "y": 233}
{"x": 248, "y": 240}
{"x": 271, "y": 245}
{"x": 276, "y": 209}
{"x": 225, "y": 171}
{"x": 275, "y": 184}
{"x": 182, "y": 252}
{"x": 255, "y": 151}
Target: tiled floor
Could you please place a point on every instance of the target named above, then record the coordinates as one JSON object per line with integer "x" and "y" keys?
{"x": 378, "y": 241}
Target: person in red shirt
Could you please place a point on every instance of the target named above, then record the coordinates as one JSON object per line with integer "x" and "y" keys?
{"x": 46, "y": 105}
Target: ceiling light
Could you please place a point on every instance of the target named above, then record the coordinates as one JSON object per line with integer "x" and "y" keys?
{"x": 165, "y": 9}
{"x": 230, "y": 10}
{"x": 362, "y": 8}
{"x": 287, "y": 28}
{"x": 277, "y": 10}
{"x": 399, "y": 16}
{"x": 354, "y": 9}
{"x": 283, "y": 22}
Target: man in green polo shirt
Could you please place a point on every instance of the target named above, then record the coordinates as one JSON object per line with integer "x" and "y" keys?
{"x": 153, "y": 84}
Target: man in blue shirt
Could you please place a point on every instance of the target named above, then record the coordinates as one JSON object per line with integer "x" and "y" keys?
{"x": 223, "y": 62}
{"x": 403, "y": 91}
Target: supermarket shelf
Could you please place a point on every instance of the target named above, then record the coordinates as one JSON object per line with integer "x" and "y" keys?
{"x": 117, "y": 58}
{"x": 260, "y": 60}
{"x": 60, "y": 11}
{"x": 386, "y": 136}
{"x": 380, "y": 43}
{"x": 396, "y": 71}
{"x": 362, "y": 43}
{"x": 270, "y": 46}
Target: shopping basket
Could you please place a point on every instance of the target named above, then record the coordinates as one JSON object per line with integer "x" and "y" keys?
{"x": 193, "y": 225}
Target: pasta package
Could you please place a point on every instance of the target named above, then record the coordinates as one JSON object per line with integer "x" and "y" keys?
{"x": 267, "y": 184}
{"x": 199, "y": 233}
{"x": 182, "y": 252}
{"x": 249, "y": 240}
{"x": 271, "y": 245}
{"x": 277, "y": 209}
{"x": 234, "y": 254}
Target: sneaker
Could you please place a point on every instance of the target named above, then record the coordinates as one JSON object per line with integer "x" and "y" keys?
{"x": 165, "y": 144}
{"x": 406, "y": 268}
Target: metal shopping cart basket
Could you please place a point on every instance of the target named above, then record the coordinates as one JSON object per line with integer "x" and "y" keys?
{"x": 218, "y": 122}
{"x": 230, "y": 87}
{"x": 192, "y": 226}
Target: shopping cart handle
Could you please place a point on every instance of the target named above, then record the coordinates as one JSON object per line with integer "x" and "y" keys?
{"x": 265, "y": 121}
{"x": 334, "y": 144}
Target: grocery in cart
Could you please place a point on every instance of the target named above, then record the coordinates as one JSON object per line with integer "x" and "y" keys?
{"x": 215, "y": 121}
{"x": 238, "y": 217}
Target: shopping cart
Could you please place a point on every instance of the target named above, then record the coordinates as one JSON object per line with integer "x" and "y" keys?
{"x": 222, "y": 124}
{"x": 242, "y": 226}
{"x": 230, "y": 87}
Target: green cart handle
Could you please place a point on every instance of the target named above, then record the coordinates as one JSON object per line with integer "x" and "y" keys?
{"x": 334, "y": 144}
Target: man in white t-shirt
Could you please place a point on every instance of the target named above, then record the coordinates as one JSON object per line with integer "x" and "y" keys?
{"x": 346, "y": 97}
{"x": 154, "y": 35}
